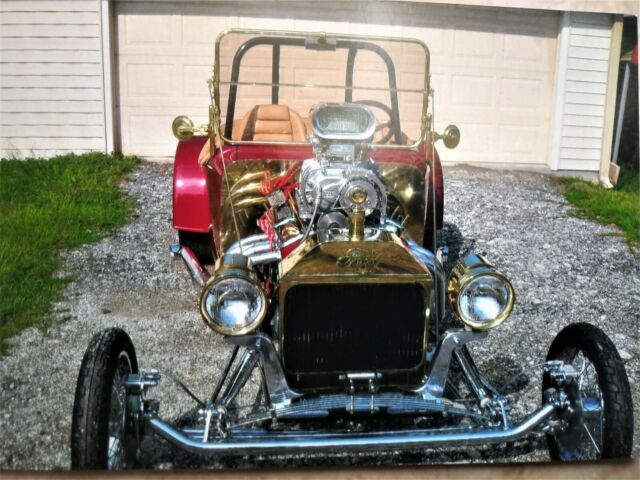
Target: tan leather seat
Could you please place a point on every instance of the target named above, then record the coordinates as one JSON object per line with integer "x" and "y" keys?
{"x": 267, "y": 123}
{"x": 270, "y": 123}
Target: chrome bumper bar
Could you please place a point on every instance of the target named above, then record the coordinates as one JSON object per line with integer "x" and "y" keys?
{"x": 261, "y": 441}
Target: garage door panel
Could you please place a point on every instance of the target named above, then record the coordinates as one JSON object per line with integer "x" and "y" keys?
{"x": 517, "y": 139}
{"x": 526, "y": 49}
{"x": 441, "y": 82}
{"x": 267, "y": 22}
{"x": 143, "y": 29}
{"x": 146, "y": 127}
{"x": 472, "y": 91}
{"x": 149, "y": 129}
{"x": 195, "y": 76}
{"x": 516, "y": 117}
{"x": 474, "y": 44}
{"x": 151, "y": 80}
{"x": 520, "y": 94}
{"x": 435, "y": 36}
{"x": 492, "y": 69}
{"x": 459, "y": 115}
{"x": 201, "y": 30}
{"x": 477, "y": 137}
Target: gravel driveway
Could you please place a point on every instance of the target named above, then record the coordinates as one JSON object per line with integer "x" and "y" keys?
{"x": 563, "y": 269}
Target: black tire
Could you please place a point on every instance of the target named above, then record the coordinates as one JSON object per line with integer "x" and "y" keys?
{"x": 110, "y": 352}
{"x": 617, "y": 426}
{"x": 200, "y": 243}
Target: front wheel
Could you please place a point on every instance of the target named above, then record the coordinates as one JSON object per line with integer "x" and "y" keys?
{"x": 601, "y": 394}
{"x": 100, "y": 435}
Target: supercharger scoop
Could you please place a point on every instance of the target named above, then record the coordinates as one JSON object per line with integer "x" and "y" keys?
{"x": 329, "y": 184}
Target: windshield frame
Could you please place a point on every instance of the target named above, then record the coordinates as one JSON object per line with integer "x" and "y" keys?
{"x": 323, "y": 41}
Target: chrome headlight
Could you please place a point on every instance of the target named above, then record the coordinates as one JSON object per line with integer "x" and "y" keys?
{"x": 480, "y": 295}
{"x": 232, "y": 302}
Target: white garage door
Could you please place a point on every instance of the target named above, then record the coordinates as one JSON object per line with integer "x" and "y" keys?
{"x": 492, "y": 69}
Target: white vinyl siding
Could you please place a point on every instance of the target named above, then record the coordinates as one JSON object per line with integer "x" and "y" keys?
{"x": 51, "y": 78}
{"x": 583, "y": 87}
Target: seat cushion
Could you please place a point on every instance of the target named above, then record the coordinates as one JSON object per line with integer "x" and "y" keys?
{"x": 267, "y": 123}
{"x": 270, "y": 123}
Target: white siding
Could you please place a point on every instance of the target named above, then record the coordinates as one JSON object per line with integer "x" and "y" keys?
{"x": 51, "y": 78}
{"x": 582, "y": 89}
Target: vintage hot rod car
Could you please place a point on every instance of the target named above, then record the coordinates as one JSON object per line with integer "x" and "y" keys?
{"x": 315, "y": 192}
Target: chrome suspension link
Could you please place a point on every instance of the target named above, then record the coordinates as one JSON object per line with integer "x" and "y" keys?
{"x": 239, "y": 377}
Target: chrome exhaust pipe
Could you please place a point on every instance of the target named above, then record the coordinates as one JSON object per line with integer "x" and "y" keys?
{"x": 257, "y": 248}
{"x": 260, "y": 441}
{"x": 265, "y": 257}
{"x": 249, "y": 245}
{"x": 198, "y": 273}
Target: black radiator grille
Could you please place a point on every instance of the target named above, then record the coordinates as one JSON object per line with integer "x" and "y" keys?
{"x": 353, "y": 327}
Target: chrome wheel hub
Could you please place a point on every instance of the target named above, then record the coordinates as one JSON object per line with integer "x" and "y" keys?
{"x": 584, "y": 436}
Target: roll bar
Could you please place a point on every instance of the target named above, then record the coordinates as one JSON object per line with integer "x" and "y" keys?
{"x": 312, "y": 43}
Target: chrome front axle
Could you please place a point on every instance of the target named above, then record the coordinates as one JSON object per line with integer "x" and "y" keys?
{"x": 258, "y": 441}
{"x": 489, "y": 424}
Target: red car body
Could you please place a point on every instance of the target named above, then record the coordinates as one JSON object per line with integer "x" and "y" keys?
{"x": 196, "y": 189}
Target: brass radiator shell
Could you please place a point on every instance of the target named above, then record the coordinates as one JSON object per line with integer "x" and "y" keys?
{"x": 329, "y": 262}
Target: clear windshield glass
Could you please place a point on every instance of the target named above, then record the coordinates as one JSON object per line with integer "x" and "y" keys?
{"x": 301, "y": 70}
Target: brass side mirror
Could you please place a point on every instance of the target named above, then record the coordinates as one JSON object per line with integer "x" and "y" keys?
{"x": 450, "y": 137}
{"x": 182, "y": 128}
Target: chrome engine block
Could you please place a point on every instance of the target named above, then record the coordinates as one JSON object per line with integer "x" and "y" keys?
{"x": 328, "y": 184}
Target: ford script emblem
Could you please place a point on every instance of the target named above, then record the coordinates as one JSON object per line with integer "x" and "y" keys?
{"x": 359, "y": 259}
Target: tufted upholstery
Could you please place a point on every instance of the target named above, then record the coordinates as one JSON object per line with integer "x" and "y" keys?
{"x": 270, "y": 123}
{"x": 267, "y": 123}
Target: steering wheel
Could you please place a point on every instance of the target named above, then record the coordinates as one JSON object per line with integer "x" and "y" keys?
{"x": 389, "y": 124}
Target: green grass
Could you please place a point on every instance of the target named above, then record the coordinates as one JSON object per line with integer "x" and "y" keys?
{"x": 619, "y": 206}
{"x": 47, "y": 206}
